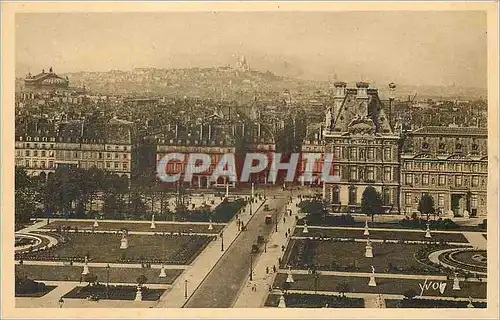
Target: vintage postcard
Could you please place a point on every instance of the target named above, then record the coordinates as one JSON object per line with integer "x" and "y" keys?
{"x": 249, "y": 160}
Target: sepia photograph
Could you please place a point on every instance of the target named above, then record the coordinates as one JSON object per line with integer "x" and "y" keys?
{"x": 207, "y": 157}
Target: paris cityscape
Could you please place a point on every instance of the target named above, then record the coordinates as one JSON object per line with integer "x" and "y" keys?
{"x": 403, "y": 117}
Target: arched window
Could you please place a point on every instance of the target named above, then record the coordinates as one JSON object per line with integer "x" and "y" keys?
{"x": 352, "y": 195}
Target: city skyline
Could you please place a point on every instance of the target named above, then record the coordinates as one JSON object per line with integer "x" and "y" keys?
{"x": 440, "y": 48}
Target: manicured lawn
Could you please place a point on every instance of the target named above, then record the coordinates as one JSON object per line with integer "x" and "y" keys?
{"x": 315, "y": 301}
{"x": 116, "y": 275}
{"x": 137, "y": 226}
{"x": 335, "y": 221}
{"x": 36, "y": 294}
{"x": 349, "y": 256}
{"x": 106, "y": 248}
{"x": 427, "y": 303}
{"x": 384, "y": 285}
{"x": 387, "y": 235}
{"x": 113, "y": 293}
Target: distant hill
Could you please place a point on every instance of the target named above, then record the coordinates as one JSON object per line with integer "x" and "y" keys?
{"x": 230, "y": 84}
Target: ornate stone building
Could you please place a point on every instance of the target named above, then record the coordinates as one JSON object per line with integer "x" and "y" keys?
{"x": 364, "y": 147}
{"x": 46, "y": 80}
{"x": 450, "y": 164}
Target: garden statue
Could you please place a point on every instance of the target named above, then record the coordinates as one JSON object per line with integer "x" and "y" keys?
{"x": 368, "y": 249}
{"x": 289, "y": 278}
{"x": 96, "y": 224}
{"x": 304, "y": 230}
{"x": 86, "y": 266}
{"x": 153, "y": 225}
{"x": 372, "y": 282}
{"x": 367, "y": 231}
{"x": 428, "y": 231}
{"x": 124, "y": 241}
{"x": 138, "y": 294}
{"x": 456, "y": 282}
{"x": 162, "y": 272}
{"x": 282, "y": 303}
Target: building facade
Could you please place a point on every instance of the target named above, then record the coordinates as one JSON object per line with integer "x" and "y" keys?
{"x": 450, "y": 164}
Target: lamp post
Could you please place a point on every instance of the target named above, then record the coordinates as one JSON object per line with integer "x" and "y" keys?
{"x": 265, "y": 246}
{"x": 222, "y": 241}
{"x": 251, "y": 266}
{"x": 61, "y": 302}
{"x": 276, "y": 220}
{"x": 107, "y": 280}
{"x": 185, "y": 289}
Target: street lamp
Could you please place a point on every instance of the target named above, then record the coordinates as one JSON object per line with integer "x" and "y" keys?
{"x": 222, "y": 241}
{"x": 276, "y": 219}
{"x": 61, "y": 302}
{"x": 251, "y": 266}
{"x": 185, "y": 289}
{"x": 107, "y": 280}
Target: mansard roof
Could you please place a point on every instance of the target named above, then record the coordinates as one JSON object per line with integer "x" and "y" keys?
{"x": 454, "y": 131}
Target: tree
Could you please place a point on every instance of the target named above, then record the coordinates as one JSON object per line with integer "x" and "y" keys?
{"x": 25, "y": 195}
{"x": 371, "y": 203}
{"x": 90, "y": 278}
{"x": 426, "y": 205}
{"x": 313, "y": 208}
{"x": 141, "y": 280}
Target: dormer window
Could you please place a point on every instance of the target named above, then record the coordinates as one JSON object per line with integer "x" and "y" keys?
{"x": 425, "y": 145}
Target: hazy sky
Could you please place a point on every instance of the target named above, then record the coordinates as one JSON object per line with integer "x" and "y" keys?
{"x": 423, "y": 48}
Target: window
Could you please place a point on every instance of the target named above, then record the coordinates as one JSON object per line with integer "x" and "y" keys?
{"x": 442, "y": 179}
{"x": 116, "y": 155}
{"x": 336, "y": 170}
{"x": 35, "y": 153}
{"x": 458, "y": 167}
{"x": 425, "y": 166}
{"x": 52, "y": 146}
{"x": 352, "y": 195}
{"x": 408, "y": 198}
{"x": 335, "y": 195}
{"x": 108, "y": 164}
{"x": 473, "y": 201}
{"x": 353, "y": 154}
{"x": 370, "y": 154}
{"x": 441, "y": 200}
{"x": 458, "y": 181}
{"x": 409, "y": 178}
{"x": 43, "y": 153}
{"x": 425, "y": 179}
{"x": 108, "y": 155}
{"x": 386, "y": 197}
{"x": 125, "y": 166}
{"x": 387, "y": 154}
{"x": 51, "y": 164}
{"x": 387, "y": 174}
{"x": 125, "y": 156}
{"x": 43, "y": 164}
{"x": 475, "y": 167}
{"x": 441, "y": 167}
{"x": 336, "y": 152}
{"x": 352, "y": 173}
{"x": 370, "y": 174}
{"x": 100, "y": 155}
{"x": 475, "y": 181}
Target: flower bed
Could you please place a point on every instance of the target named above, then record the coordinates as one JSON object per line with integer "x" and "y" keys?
{"x": 388, "y": 235}
{"x": 295, "y": 300}
{"x": 116, "y": 275}
{"x": 429, "y": 303}
{"x": 331, "y": 283}
{"x": 168, "y": 249}
{"x": 349, "y": 257}
{"x": 113, "y": 292}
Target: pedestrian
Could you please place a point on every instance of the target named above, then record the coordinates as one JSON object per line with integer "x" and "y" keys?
{"x": 267, "y": 270}
{"x": 274, "y": 269}
{"x": 81, "y": 279}
{"x": 286, "y": 234}
{"x": 288, "y": 230}
{"x": 283, "y": 248}
{"x": 254, "y": 287}
{"x": 284, "y": 219}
